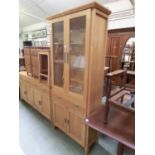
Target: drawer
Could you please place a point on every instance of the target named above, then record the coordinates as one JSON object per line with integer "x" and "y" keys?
{"x": 59, "y": 100}
{"x": 75, "y": 106}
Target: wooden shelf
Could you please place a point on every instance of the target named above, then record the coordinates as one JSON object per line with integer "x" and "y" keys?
{"x": 44, "y": 75}
{"x": 57, "y": 43}
{"x": 76, "y": 80}
{"x": 77, "y": 44}
{"x": 58, "y": 61}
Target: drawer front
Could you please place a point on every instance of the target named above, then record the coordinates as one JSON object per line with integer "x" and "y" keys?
{"x": 70, "y": 105}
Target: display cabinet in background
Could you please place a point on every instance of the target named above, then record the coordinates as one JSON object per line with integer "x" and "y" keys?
{"x": 117, "y": 39}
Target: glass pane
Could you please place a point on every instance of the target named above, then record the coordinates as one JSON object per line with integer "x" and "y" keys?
{"x": 128, "y": 55}
{"x": 76, "y": 54}
{"x": 58, "y": 51}
{"x": 44, "y": 64}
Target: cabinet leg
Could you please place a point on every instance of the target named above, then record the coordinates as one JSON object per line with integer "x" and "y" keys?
{"x": 120, "y": 149}
{"x": 86, "y": 150}
{"x": 55, "y": 127}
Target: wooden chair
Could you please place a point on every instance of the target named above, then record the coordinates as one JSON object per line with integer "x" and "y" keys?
{"x": 116, "y": 97}
{"x": 122, "y": 99}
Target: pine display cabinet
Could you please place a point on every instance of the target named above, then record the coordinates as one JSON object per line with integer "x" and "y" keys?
{"x": 78, "y": 48}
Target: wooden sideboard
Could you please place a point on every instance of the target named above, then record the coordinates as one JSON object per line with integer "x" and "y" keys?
{"x": 35, "y": 94}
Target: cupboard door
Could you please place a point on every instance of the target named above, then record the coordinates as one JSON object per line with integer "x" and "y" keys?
{"x": 58, "y": 53}
{"x": 30, "y": 94}
{"x": 35, "y": 63}
{"x": 60, "y": 116}
{"x": 46, "y": 105}
{"x": 23, "y": 91}
{"x": 76, "y": 127}
{"x": 37, "y": 99}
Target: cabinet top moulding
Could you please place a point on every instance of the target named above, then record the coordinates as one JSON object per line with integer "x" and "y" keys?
{"x": 81, "y": 8}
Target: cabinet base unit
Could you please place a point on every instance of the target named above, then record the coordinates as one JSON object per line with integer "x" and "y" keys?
{"x": 36, "y": 94}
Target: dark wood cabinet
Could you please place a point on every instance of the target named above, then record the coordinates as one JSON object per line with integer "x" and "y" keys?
{"x": 116, "y": 42}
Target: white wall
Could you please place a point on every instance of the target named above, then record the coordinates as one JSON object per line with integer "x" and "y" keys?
{"x": 42, "y": 25}
{"x": 121, "y": 23}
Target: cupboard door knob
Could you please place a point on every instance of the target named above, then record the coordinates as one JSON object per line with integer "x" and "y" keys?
{"x": 25, "y": 92}
{"x": 40, "y": 102}
{"x": 67, "y": 121}
{"x": 77, "y": 106}
{"x": 59, "y": 98}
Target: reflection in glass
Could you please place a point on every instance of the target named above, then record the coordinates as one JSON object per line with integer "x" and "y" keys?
{"x": 77, "y": 54}
{"x": 58, "y": 50}
{"x": 128, "y": 56}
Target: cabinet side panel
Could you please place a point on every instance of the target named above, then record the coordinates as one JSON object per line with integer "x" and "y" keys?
{"x": 97, "y": 60}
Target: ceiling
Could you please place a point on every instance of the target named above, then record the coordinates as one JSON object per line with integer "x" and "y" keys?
{"x": 34, "y": 11}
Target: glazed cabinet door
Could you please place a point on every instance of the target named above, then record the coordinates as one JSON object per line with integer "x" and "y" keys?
{"x": 78, "y": 51}
{"x": 60, "y": 116}
{"x": 76, "y": 127}
{"x": 58, "y": 53}
{"x": 46, "y": 105}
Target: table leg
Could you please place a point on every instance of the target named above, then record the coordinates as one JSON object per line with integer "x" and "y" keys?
{"x": 86, "y": 148}
{"x": 120, "y": 149}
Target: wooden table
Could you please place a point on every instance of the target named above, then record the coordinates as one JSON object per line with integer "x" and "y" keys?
{"x": 121, "y": 126}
